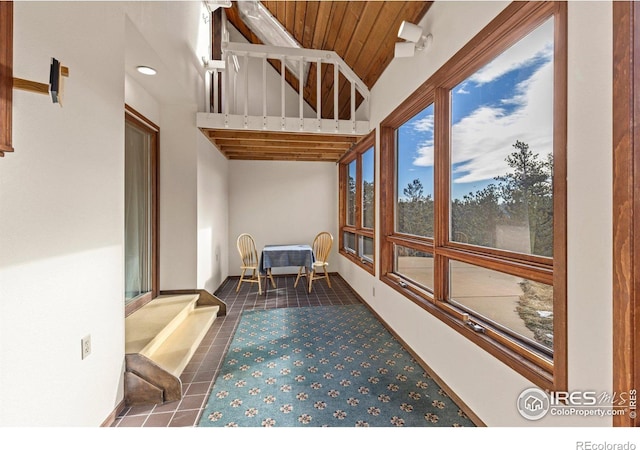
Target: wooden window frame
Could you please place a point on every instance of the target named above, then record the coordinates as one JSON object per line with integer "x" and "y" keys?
{"x": 355, "y": 154}
{"x": 514, "y": 23}
{"x": 626, "y": 203}
{"x": 6, "y": 76}
{"x": 136, "y": 119}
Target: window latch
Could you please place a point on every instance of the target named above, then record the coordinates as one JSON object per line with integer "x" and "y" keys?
{"x": 474, "y": 326}
{"x": 402, "y": 284}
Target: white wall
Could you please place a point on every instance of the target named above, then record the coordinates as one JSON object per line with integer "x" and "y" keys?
{"x": 61, "y": 221}
{"x": 139, "y": 99}
{"x": 281, "y": 203}
{"x": 213, "y": 216}
{"x": 178, "y": 197}
{"x": 166, "y": 35}
{"x": 590, "y": 204}
{"x": 193, "y": 174}
{"x": 62, "y": 201}
{"x": 489, "y": 387}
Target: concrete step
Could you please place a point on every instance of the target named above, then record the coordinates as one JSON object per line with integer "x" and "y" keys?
{"x": 175, "y": 352}
{"x": 169, "y": 329}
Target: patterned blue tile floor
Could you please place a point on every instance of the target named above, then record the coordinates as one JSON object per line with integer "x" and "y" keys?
{"x": 323, "y": 366}
{"x": 206, "y": 365}
{"x": 199, "y": 375}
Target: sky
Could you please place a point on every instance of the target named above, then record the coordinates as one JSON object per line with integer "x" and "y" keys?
{"x": 508, "y": 99}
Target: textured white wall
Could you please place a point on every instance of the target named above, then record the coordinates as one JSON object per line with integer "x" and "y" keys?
{"x": 61, "y": 221}
{"x": 488, "y": 386}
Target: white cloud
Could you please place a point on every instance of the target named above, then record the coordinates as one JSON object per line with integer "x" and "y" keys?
{"x": 462, "y": 88}
{"x": 424, "y": 124}
{"x": 512, "y": 59}
{"x": 425, "y": 154}
{"x": 482, "y": 140}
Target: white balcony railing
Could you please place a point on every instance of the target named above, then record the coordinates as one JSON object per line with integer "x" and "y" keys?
{"x": 247, "y": 93}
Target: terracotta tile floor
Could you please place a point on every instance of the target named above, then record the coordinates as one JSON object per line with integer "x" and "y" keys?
{"x": 201, "y": 372}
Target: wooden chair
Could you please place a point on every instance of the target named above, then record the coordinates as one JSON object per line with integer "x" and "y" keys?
{"x": 321, "y": 248}
{"x": 249, "y": 257}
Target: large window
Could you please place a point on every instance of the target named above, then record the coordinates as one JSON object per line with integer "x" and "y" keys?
{"x": 357, "y": 190}
{"x": 414, "y": 181}
{"x": 473, "y": 192}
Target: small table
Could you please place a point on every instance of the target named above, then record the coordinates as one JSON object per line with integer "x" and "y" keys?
{"x": 296, "y": 255}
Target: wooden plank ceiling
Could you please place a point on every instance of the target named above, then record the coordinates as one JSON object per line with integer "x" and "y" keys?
{"x": 270, "y": 146}
{"x": 363, "y": 33}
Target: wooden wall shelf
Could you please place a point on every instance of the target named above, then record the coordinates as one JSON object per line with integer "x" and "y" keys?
{"x": 34, "y": 86}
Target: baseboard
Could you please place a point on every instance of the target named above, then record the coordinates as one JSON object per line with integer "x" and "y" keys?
{"x": 279, "y": 275}
{"x": 114, "y": 414}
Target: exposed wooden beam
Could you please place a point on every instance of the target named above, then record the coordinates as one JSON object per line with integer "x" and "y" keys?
{"x": 276, "y": 147}
{"x": 326, "y": 146}
{"x": 281, "y": 157}
{"x": 268, "y": 136}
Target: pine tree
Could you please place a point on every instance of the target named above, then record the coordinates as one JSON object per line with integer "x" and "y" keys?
{"x": 527, "y": 196}
{"x": 415, "y": 211}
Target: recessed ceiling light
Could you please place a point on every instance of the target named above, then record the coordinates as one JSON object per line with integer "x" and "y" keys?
{"x": 146, "y": 70}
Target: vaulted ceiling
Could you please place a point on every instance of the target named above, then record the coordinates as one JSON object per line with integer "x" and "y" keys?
{"x": 362, "y": 33}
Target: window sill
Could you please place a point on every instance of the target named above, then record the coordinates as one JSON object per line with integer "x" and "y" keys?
{"x": 352, "y": 257}
{"x": 536, "y": 373}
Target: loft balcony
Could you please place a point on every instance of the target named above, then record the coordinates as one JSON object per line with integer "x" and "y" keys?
{"x": 255, "y": 111}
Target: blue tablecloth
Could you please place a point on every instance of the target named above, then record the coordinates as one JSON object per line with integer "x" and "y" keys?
{"x": 298, "y": 255}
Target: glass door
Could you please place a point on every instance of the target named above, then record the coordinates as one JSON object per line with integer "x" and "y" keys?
{"x": 140, "y": 212}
